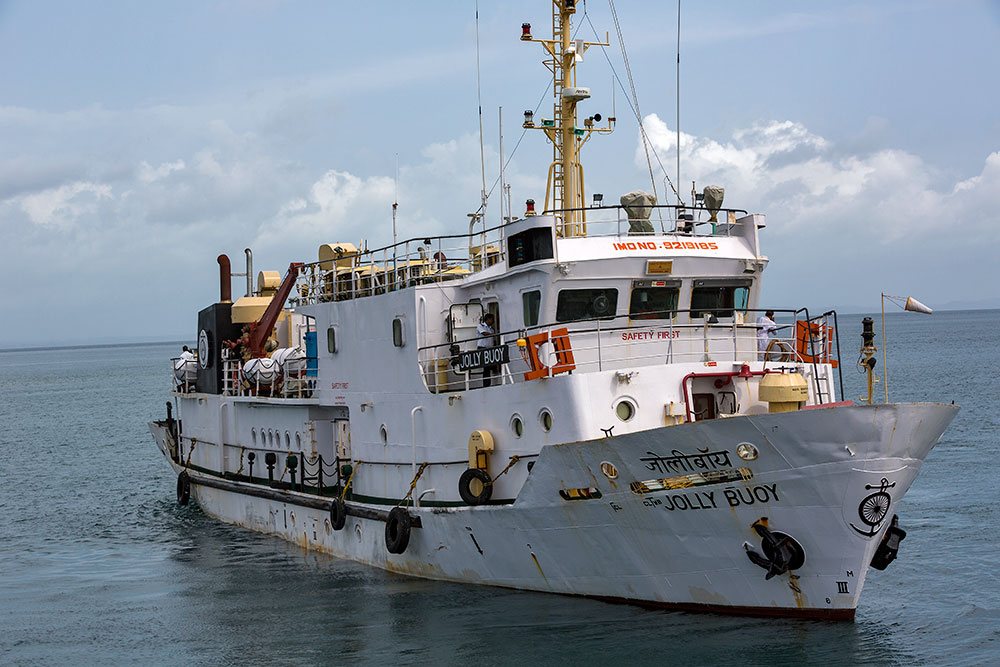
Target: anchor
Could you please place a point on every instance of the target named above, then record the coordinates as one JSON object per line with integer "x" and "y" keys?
{"x": 781, "y": 552}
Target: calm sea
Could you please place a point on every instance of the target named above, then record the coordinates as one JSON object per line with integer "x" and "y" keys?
{"x": 98, "y": 564}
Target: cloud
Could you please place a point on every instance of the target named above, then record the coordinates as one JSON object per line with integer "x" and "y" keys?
{"x": 809, "y": 185}
{"x": 60, "y": 207}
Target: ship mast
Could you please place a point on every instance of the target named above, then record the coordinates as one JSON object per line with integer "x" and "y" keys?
{"x": 564, "y": 192}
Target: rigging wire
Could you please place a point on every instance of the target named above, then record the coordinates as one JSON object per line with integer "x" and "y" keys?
{"x": 635, "y": 112}
{"x": 635, "y": 97}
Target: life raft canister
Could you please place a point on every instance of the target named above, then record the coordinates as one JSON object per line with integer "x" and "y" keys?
{"x": 564, "y": 354}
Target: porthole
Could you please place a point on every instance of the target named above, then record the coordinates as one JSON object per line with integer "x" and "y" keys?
{"x": 746, "y": 451}
{"x": 517, "y": 426}
{"x": 331, "y": 340}
{"x": 625, "y": 410}
{"x": 270, "y": 437}
{"x": 288, "y": 440}
{"x": 609, "y": 469}
{"x": 545, "y": 417}
{"x": 298, "y": 440}
{"x": 383, "y": 434}
{"x": 253, "y": 436}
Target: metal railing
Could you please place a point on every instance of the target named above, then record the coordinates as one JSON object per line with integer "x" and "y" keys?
{"x": 664, "y": 220}
{"x": 438, "y": 259}
{"x": 295, "y": 379}
{"x": 634, "y": 341}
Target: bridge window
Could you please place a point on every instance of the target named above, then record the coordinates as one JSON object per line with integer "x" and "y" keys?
{"x": 583, "y": 304}
{"x": 719, "y": 297}
{"x": 529, "y": 246}
{"x": 654, "y": 300}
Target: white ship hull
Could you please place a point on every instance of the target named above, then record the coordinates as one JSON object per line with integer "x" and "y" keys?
{"x": 636, "y": 541}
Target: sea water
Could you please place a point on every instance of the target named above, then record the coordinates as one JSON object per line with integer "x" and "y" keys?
{"x": 98, "y": 563}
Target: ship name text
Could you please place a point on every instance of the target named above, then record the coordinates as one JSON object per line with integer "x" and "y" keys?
{"x": 679, "y": 462}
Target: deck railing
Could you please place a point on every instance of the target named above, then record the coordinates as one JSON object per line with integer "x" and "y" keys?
{"x": 437, "y": 259}
{"x": 628, "y": 342}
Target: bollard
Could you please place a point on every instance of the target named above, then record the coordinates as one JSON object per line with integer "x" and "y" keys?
{"x": 270, "y": 459}
{"x": 291, "y": 462}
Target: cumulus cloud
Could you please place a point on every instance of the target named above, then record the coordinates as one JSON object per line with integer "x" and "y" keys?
{"x": 807, "y": 184}
{"x": 62, "y": 206}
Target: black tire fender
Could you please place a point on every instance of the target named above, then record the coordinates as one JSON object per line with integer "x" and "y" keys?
{"x": 465, "y": 486}
{"x": 397, "y": 530}
{"x": 183, "y": 488}
{"x": 338, "y": 513}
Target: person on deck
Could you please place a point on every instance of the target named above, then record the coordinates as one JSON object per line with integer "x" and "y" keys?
{"x": 765, "y": 327}
{"x": 486, "y": 333}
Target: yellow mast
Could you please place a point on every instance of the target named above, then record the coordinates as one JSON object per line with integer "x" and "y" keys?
{"x": 564, "y": 187}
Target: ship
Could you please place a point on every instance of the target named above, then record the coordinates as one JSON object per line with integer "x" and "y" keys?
{"x": 586, "y": 399}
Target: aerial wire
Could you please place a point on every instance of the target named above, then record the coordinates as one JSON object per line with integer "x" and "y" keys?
{"x": 635, "y": 97}
{"x": 635, "y": 112}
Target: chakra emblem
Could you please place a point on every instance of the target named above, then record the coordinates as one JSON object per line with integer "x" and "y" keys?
{"x": 874, "y": 508}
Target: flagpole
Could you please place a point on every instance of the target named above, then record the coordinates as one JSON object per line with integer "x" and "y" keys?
{"x": 885, "y": 369}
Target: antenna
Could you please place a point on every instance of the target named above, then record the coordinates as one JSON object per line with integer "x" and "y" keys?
{"x": 679, "y": 200}
{"x": 500, "y": 112}
{"x": 395, "y": 204}
{"x": 479, "y": 97}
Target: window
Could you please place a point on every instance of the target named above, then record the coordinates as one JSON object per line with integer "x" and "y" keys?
{"x": 625, "y": 410}
{"x": 529, "y": 246}
{"x": 719, "y": 297}
{"x": 531, "y": 303}
{"x": 397, "y": 332}
{"x": 653, "y": 300}
{"x": 545, "y": 417}
{"x": 517, "y": 426}
{"x": 331, "y": 340}
{"x": 582, "y": 304}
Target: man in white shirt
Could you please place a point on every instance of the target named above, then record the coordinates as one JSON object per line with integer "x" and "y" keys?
{"x": 486, "y": 333}
{"x": 765, "y": 327}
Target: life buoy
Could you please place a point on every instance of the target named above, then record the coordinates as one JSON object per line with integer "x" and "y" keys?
{"x": 465, "y": 486}
{"x": 564, "y": 354}
{"x": 183, "y": 488}
{"x": 338, "y": 513}
{"x": 397, "y": 530}
{"x": 785, "y": 351}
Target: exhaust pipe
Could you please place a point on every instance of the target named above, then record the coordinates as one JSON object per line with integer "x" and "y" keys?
{"x": 249, "y": 254}
{"x": 225, "y": 280}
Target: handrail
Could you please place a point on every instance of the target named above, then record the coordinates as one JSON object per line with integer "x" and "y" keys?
{"x": 739, "y": 342}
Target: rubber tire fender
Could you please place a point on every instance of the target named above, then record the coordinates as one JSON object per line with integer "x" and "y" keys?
{"x": 465, "y": 486}
{"x": 397, "y": 530}
{"x": 338, "y": 513}
{"x": 183, "y": 488}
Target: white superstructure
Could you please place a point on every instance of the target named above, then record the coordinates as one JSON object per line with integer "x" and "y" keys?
{"x": 619, "y": 436}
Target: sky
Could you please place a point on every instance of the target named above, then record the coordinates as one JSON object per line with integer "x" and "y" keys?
{"x": 140, "y": 140}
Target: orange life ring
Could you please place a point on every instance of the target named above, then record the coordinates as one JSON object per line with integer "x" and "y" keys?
{"x": 564, "y": 354}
